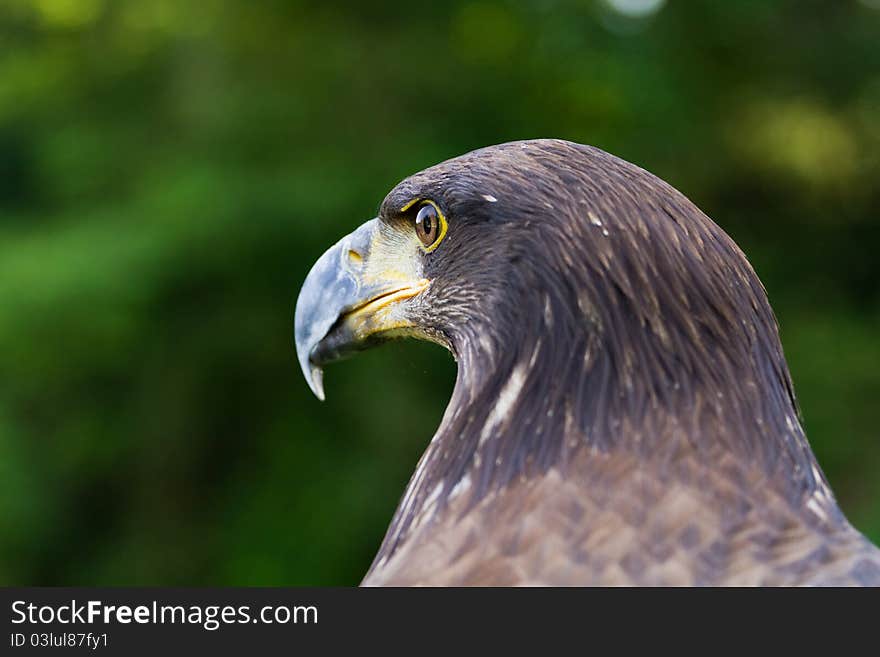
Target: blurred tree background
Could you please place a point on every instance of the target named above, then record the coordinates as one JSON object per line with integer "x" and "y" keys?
{"x": 170, "y": 170}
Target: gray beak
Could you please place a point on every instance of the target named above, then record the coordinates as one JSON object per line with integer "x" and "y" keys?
{"x": 332, "y": 287}
{"x": 345, "y": 305}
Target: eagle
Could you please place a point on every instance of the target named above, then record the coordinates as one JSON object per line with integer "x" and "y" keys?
{"x": 622, "y": 413}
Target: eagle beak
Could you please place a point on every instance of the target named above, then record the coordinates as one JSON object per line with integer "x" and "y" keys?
{"x": 347, "y": 303}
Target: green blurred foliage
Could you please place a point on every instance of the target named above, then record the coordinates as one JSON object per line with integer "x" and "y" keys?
{"x": 170, "y": 170}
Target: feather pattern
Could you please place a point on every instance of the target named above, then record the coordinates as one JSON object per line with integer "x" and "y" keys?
{"x": 623, "y": 412}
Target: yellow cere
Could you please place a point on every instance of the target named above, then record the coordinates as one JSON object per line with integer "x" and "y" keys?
{"x": 391, "y": 258}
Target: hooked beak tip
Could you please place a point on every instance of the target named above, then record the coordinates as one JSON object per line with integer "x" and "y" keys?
{"x": 314, "y": 374}
{"x": 316, "y": 381}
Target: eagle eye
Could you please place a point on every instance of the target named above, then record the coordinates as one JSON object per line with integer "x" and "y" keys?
{"x": 430, "y": 226}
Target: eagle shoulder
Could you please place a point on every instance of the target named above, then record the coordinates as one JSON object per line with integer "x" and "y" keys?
{"x": 614, "y": 519}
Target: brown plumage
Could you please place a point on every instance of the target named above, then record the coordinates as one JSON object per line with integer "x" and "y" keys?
{"x": 623, "y": 412}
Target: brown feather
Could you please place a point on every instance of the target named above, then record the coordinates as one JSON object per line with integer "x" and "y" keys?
{"x": 623, "y": 412}
{"x": 612, "y": 519}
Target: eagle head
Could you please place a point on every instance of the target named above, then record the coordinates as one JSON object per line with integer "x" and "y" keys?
{"x": 573, "y": 289}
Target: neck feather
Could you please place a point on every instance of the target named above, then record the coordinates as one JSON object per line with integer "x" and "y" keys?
{"x": 528, "y": 399}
